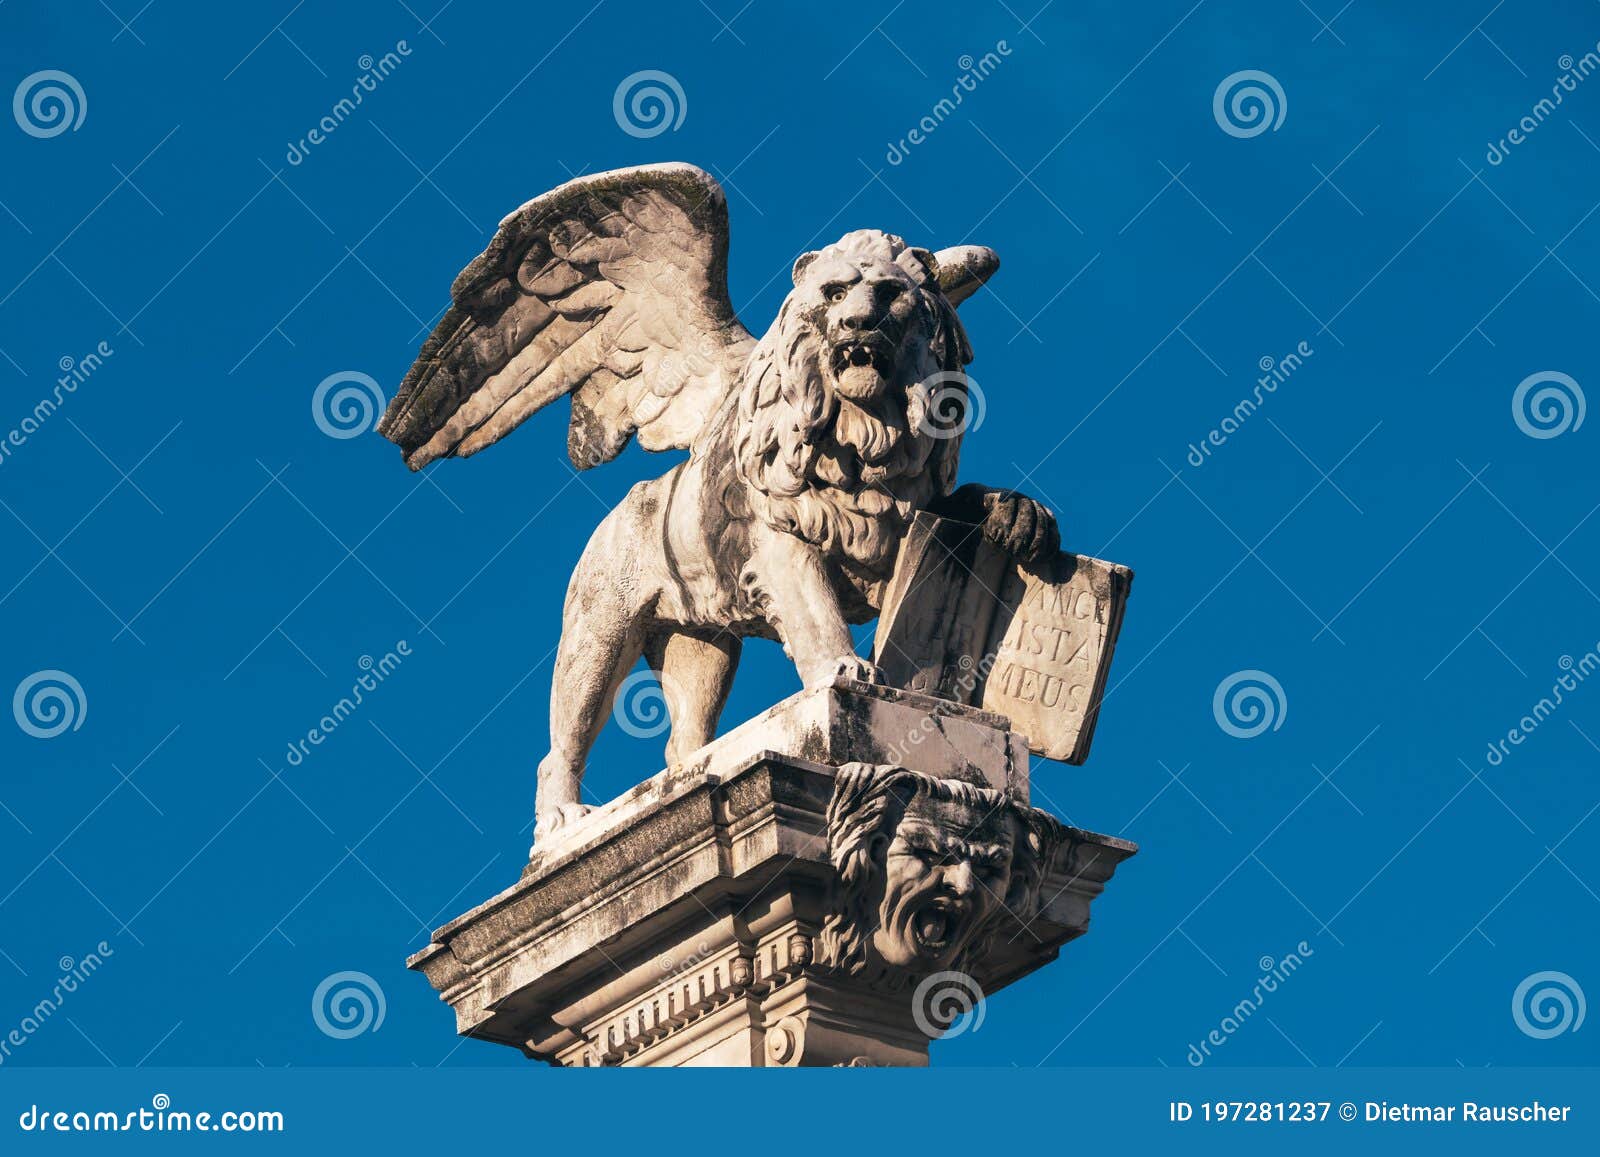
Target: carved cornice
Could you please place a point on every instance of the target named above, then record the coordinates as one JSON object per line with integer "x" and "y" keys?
{"x": 694, "y": 919}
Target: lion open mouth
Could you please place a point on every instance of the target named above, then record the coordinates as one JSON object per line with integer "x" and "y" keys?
{"x": 862, "y": 367}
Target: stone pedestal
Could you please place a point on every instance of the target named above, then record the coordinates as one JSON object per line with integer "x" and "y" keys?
{"x": 830, "y": 883}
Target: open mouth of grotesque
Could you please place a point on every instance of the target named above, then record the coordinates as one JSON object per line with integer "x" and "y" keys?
{"x": 934, "y": 926}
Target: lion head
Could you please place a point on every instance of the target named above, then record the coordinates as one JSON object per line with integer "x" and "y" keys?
{"x": 837, "y": 437}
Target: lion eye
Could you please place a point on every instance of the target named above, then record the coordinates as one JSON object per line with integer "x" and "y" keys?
{"x": 835, "y": 294}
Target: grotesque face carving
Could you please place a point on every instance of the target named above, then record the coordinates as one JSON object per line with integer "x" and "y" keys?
{"x": 928, "y": 868}
{"x": 946, "y": 871}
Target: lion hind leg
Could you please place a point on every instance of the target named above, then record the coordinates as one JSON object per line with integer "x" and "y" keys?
{"x": 696, "y": 673}
{"x": 591, "y": 663}
{"x": 601, "y": 639}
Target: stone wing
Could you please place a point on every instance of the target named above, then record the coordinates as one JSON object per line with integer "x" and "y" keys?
{"x": 611, "y": 288}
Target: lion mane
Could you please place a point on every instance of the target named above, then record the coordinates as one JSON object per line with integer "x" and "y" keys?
{"x": 844, "y": 476}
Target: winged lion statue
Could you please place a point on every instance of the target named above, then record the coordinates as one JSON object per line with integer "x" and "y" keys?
{"x": 810, "y": 450}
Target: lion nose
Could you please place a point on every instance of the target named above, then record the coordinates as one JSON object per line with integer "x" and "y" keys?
{"x": 859, "y": 310}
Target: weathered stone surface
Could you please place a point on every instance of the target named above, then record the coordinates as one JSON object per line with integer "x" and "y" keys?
{"x": 786, "y": 894}
{"x": 862, "y": 722}
{"x": 775, "y": 911}
{"x": 1033, "y": 641}
{"x": 810, "y": 450}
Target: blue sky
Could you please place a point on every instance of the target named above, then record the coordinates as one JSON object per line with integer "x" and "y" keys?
{"x": 1380, "y": 535}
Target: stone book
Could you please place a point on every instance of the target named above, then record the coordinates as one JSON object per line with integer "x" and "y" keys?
{"x": 964, "y": 620}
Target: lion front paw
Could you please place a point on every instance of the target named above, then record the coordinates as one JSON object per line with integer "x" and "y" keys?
{"x": 1021, "y": 526}
{"x": 557, "y": 817}
{"x": 858, "y": 670}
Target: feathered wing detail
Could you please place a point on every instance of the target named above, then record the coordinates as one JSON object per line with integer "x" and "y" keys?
{"x": 611, "y": 288}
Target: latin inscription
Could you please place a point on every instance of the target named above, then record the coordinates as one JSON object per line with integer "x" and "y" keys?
{"x": 1031, "y": 642}
{"x": 1050, "y": 651}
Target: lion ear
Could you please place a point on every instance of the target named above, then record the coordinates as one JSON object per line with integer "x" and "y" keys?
{"x": 800, "y": 264}
{"x": 920, "y": 264}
